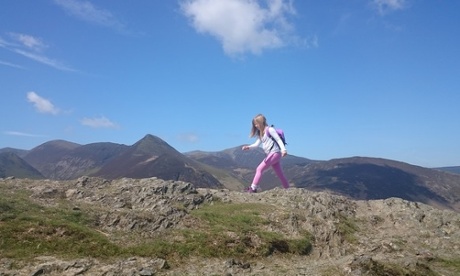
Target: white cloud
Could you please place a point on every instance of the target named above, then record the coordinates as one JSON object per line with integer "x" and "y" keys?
{"x": 101, "y": 122}
{"x": 30, "y": 47}
{"x": 29, "y": 41}
{"x": 188, "y": 137}
{"x": 44, "y": 60}
{"x": 17, "y": 133}
{"x": 384, "y": 6}
{"x": 41, "y": 104}
{"x": 312, "y": 42}
{"x": 86, "y": 11}
{"x": 4, "y": 43}
{"x": 242, "y": 25}
{"x": 11, "y": 64}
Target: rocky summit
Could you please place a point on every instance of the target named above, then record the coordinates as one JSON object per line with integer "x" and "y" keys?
{"x": 94, "y": 226}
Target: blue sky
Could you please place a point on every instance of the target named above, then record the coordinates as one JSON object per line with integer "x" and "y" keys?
{"x": 376, "y": 78}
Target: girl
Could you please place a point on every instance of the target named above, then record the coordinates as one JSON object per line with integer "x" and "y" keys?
{"x": 274, "y": 148}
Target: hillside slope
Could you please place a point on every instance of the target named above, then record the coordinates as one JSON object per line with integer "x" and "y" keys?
{"x": 356, "y": 177}
{"x": 376, "y": 178}
{"x": 13, "y": 165}
{"x": 46, "y": 157}
{"x": 153, "y": 157}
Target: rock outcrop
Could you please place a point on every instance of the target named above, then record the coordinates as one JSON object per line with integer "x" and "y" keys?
{"x": 378, "y": 237}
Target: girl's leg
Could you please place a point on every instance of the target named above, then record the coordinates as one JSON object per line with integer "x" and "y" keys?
{"x": 279, "y": 172}
{"x": 260, "y": 169}
{"x": 273, "y": 160}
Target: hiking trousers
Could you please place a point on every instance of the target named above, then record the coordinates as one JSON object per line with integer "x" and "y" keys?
{"x": 272, "y": 160}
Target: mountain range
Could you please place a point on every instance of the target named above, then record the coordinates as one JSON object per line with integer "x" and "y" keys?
{"x": 361, "y": 178}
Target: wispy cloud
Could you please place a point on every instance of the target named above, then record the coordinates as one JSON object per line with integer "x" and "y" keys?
{"x": 100, "y": 122}
{"x": 86, "y": 11}
{"x": 41, "y": 104}
{"x": 44, "y": 60}
{"x": 11, "y": 64}
{"x": 243, "y": 26}
{"x": 385, "y": 6}
{"x": 6, "y": 44}
{"x": 29, "y": 41}
{"x": 312, "y": 42}
{"x": 30, "y": 47}
{"x": 17, "y": 133}
{"x": 188, "y": 137}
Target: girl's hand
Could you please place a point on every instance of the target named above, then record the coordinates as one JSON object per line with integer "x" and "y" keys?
{"x": 283, "y": 153}
{"x": 245, "y": 148}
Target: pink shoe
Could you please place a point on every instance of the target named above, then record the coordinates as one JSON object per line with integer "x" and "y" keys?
{"x": 250, "y": 190}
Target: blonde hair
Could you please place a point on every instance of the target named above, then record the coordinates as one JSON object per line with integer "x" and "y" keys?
{"x": 261, "y": 120}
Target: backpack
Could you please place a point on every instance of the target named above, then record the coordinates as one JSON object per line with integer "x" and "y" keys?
{"x": 280, "y": 134}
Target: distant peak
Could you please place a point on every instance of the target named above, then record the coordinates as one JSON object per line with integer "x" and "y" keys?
{"x": 151, "y": 144}
{"x": 150, "y": 138}
{"x": 59, "y": 144}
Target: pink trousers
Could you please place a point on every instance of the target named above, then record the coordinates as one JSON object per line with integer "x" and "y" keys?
{"x": 272, "y": 160}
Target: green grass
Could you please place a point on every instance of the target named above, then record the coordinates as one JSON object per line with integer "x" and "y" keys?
{"x": 347, "y": 227}
{"x": 28, "y": 229}
{"x": 232, "y": 217}
{"x": 451, "y": 264}
{"x": 238, "y": 229}
{"x": 225, "y": 230}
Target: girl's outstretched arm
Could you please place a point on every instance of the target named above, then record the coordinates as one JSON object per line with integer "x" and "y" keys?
{"x": 254, "y": 145}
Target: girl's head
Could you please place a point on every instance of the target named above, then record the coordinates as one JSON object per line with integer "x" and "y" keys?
{"x": 258, "y": 125}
